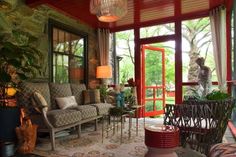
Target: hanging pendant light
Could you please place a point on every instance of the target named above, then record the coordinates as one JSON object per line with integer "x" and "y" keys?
{"x": 108, "y": 10}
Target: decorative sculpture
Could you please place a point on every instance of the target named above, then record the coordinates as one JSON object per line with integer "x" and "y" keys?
{"x": 204, "y": 77}
{"x": 119, "y": 96}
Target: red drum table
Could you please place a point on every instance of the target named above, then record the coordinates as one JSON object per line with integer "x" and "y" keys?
{"x": 161, "y": 140}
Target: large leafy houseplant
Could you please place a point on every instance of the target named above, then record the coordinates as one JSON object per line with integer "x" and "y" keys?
{"x": 17, "y": 63}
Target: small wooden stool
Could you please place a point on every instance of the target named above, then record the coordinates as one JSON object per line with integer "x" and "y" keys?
{"x": 161, "y": 140}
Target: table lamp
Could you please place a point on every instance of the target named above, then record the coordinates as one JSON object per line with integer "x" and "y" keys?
{"x": 104, "y": 72}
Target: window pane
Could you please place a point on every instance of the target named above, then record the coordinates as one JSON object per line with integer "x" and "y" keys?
{"x": 159, "y": 30}
{"x": 153, "y": 68}
{"x": 125, "y": 55}
{"x": 76, "y": 70}
{"x": 159, "y": 104}
{"x": 66, "y": 42}
{"x": 196, "y": 42}
{"x": 60, "y": 41}
{"x": 77, "y": 46}
{"x": 68, "y": 56}
{"x": 60, "y": 68}
{"x": 149, "y": 93}
{"x": 149, "y": 106}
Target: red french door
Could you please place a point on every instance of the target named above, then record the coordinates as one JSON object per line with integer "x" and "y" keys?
{"x": 153, "y": 80}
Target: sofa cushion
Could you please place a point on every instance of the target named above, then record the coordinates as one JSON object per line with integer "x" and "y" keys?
{"x": 66, "y": 102}
{"x": 60, "y": 118}
{"x": 77, "y": 92}
{"x": 27, "y": 89}
{"x": 91, "y": 96}
{"x": 87, "y": 111}
{"x": 102, "y": 108}
{"x": 59, "y": 90}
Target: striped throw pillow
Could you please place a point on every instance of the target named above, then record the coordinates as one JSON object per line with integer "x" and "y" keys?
{"x": 91, "y": 96}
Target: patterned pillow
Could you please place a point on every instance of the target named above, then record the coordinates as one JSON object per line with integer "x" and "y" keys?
{"x": 91, "y": 96}
{"x": 39, "y": 101}
{"x": 66, "y": 102}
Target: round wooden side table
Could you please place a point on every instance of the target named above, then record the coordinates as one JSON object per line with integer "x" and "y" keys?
{"x": 161, "y": 140}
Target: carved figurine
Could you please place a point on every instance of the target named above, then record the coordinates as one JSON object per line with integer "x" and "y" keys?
{"x": 119, "y": 96}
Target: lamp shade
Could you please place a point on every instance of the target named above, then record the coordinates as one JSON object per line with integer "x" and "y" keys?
{"x": 108, "y": 10}
{"x": 103, "y": 72}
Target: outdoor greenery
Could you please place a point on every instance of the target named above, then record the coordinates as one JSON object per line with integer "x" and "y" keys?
{"x": 103, "y": 92}
{"x": 217, "y": 95}
{"x": 196, "y": 40}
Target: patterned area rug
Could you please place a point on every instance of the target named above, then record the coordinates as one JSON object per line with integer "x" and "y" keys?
{"x": 90, "y": 145}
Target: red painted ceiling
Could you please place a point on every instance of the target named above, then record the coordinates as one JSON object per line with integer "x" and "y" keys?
{"x": 140, "y": 12}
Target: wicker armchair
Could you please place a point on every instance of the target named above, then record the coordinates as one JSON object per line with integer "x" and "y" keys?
{"x": 201, "y": 123}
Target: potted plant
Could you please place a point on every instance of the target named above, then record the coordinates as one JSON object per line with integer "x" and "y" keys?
{"x": 103, "y": 89}
{"x": 17, "y": 63}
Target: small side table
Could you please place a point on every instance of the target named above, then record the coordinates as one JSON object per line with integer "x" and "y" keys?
{"x": 115, "y": 120}
{"x": 136, "y": 109}
{"x": 161, "y": 140}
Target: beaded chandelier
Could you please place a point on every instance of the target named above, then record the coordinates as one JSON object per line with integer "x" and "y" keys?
{"x": 108, "y": 10}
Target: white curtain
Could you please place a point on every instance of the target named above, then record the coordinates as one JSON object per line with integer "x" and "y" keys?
{"x": 103, "y": 46}
{"x": 218, "y": 29}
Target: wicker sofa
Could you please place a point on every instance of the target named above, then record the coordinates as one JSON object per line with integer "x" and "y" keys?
{"x": 53, "y": 119}
{"x": 201, "y": 123}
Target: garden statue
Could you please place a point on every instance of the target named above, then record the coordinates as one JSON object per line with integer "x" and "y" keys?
{"x": 204, "y": 77}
